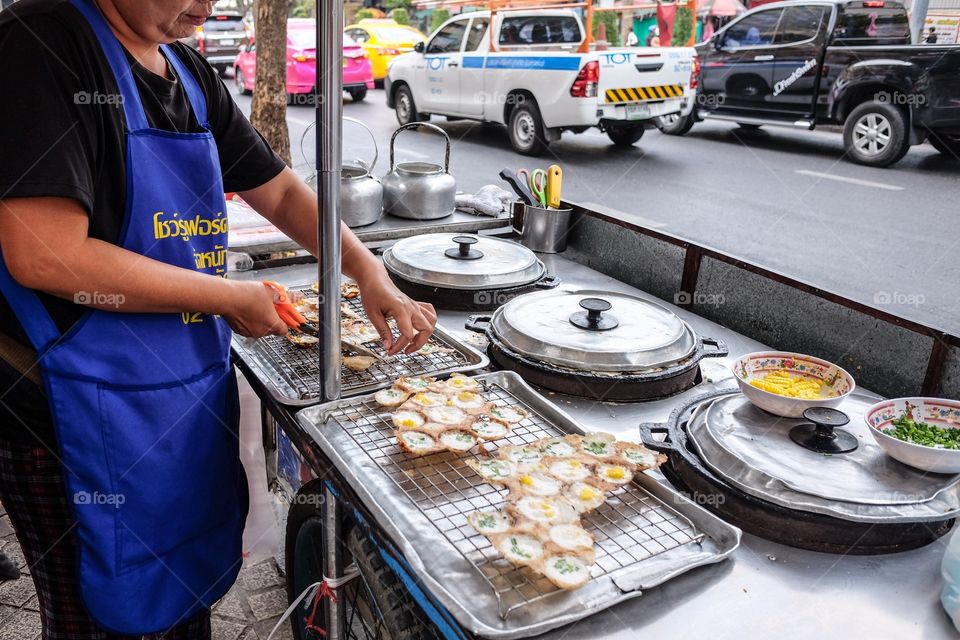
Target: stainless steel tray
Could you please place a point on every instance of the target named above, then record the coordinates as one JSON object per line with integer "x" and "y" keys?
{"x": 927, "y": 505}
{"x": 646, "y": 533}
{"x": 290, "y": 374}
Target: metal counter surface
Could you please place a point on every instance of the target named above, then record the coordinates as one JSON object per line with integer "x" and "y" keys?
{"x": 389, "y": 228}
{"x": 765, "y": 590}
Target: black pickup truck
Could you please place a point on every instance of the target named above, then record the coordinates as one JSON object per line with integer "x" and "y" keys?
{"x": 849, "y": 62}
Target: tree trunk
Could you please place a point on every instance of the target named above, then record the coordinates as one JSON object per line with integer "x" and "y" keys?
{"x": 269, "y": 110}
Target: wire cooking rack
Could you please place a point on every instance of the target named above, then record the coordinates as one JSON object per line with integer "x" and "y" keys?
{"x": 630, "y": 527}
{"x": 299, "y": 367}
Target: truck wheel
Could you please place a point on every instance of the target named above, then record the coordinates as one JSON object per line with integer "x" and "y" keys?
{"x": 674, "y": 124}
{"x": 625, "y": 136}
{"x": 526, "y": 130}
{"x": 357, "y": 95}
{"x": 875, "y": 134}
{"x": 946, "y": 144}
{"x": 405, "y": 107}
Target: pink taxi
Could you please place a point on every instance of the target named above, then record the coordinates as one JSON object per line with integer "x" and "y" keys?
{"x": 302, "y": 63}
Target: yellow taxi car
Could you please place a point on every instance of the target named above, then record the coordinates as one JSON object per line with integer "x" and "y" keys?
{"x": 383, "y": 40}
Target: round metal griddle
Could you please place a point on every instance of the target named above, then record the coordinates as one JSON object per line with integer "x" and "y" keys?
{"x": 465, "y": 272}
{"x": 599, "y": 344}
{"x": 858, "y": 503}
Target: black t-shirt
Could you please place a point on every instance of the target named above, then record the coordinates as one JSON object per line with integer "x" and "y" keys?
{"x": 61, "y": 135}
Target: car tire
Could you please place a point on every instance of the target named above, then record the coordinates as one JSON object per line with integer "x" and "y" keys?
{"x": 240, "y": 81}
{"x": 405, "y": 107}
{"x": 948, "y": 145}
{"x": 357, "y": 95}
{"x": 876, "y": 134}
{"x": 526, "y": 129}
{"x": 625, "y": 136}
{"x": 674, "y": 124}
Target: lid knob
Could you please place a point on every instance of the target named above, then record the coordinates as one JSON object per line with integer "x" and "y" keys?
{"x": 592, "y": 318}
{"x": 464, "y": 252}
{"x": 822, "y": 434}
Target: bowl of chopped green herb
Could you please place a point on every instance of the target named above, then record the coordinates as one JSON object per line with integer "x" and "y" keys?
{"x": 921, "y": 432}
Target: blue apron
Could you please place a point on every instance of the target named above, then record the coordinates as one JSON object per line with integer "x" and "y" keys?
{"x": 145, "y": 405}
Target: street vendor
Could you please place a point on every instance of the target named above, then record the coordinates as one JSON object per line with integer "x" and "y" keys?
{"x": 119, "y": 451}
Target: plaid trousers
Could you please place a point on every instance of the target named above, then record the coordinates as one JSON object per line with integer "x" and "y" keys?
{"x": 33, "y": 492}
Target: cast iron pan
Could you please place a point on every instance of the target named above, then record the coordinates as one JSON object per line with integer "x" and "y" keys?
{"x": 624, "y": 387}
{"x": 470, "y": 300}
{"x": 801, "y": 529}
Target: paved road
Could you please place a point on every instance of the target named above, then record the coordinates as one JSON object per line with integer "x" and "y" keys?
{"x": 785, "y": 199}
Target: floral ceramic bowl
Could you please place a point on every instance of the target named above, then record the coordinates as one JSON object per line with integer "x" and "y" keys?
{"x": 936, "y": 412}
{"x": 837, "y": 384}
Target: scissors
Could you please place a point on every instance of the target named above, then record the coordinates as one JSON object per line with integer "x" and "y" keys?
{"x": 538, "y": 184}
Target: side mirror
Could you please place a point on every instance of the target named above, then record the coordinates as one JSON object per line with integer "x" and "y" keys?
{"x": 718, "y": 43}
{"x": 419, "y": 47}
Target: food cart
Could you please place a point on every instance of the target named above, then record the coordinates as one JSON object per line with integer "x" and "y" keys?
{"x": 681, "y": 551}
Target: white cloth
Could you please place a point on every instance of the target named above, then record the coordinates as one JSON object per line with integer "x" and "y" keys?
{"x": 490, "y": 200}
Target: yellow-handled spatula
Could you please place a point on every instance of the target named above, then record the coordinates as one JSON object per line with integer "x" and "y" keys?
{"x": 554, "y": 185}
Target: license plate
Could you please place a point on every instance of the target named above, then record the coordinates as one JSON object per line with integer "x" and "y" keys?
{"x": 637, "y": 111}
{"x": 228, "y": 43}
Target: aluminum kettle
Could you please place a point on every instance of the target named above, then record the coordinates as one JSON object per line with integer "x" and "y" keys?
{"x": 419, "y": 190}
{"x": 361, "y": 194}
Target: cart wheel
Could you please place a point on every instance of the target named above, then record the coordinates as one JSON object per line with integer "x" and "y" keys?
{"x": 376, "y": 604}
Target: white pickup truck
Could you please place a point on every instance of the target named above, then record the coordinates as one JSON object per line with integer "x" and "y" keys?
{"x": 531, "y": 77}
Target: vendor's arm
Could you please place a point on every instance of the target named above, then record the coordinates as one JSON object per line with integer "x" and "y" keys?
{"x": 292, "y": 206}
{"x": 46, "y": 247}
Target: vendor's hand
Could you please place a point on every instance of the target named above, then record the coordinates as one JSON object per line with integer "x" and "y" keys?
{"x": 415, "y": 320}
{"x": 251, "y": 312}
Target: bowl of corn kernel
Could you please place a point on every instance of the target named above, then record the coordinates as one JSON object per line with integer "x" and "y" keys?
{"x": 787, "y": 384}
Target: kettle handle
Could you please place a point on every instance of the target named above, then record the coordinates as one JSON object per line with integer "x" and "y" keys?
{"x": 376, "y": 151}
{"x": 416, "y": 125}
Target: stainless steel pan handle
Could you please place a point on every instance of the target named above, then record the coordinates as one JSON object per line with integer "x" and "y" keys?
{"x": 417, "y": 125}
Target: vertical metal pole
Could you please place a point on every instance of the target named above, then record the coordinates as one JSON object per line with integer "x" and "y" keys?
{"x": 329, "y": 107}
{"x": 918, "y": 19}
{"x": 335, "y": 617}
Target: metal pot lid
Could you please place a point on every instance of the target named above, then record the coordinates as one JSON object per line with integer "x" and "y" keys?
{"x": 461, "y": 261}
{"x": 592, "y": 330}
{"x": 752, "y": 450}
